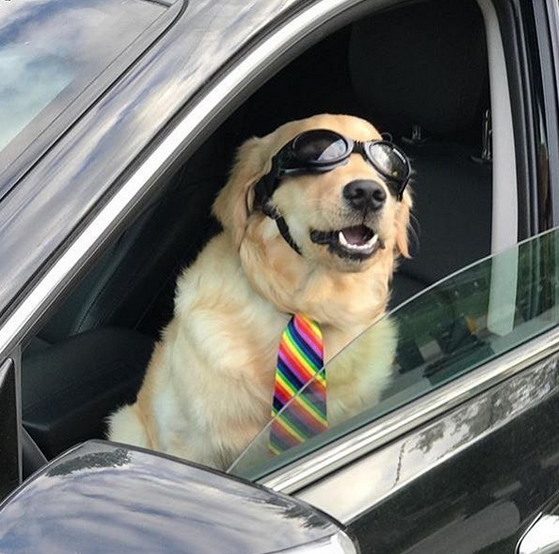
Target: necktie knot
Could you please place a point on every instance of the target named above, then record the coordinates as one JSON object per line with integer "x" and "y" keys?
{"x": 299, "y": 403}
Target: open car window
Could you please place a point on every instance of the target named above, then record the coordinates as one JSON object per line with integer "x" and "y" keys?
{"x": 464, "y": 321}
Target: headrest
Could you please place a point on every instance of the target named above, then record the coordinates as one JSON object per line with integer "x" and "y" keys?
{"x": 422, "y": 64}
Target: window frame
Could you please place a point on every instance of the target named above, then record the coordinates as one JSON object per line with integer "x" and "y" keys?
{"x": 271, "y": 52}
{"x": 10, "y": 371}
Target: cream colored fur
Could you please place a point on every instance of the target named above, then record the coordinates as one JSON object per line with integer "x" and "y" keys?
{"x": 209, "y": 385}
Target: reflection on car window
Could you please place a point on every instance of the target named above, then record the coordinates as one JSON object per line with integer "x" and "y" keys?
{"x": 460, "y": 323}
{"x": 20, "y": 97}
{"x": 50, "y": 50}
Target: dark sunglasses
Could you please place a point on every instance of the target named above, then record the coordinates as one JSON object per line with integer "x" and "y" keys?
{"x": 322, "y": 150}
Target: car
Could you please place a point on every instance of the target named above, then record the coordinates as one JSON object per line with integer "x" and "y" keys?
{"x": 119, "y": 122}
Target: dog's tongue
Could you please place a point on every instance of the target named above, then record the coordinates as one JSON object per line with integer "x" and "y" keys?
{"x": 357, "y": 235}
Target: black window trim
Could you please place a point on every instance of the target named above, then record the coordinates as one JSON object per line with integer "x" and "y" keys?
{"x": 546, "y": 26}
{"x": 10, "y": 370}
{"x": 526, "y": 36}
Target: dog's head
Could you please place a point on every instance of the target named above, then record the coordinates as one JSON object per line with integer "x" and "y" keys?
{"x": 345, "y": 218}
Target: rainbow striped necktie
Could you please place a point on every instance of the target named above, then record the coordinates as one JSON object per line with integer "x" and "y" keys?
{"x": 300, "y": 359}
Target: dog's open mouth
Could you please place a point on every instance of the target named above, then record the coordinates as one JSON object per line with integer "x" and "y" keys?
{"x": 358, "y": 242}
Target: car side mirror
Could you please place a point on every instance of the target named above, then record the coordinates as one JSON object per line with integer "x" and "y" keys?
{"x": 543, "y": 535}
{"x": 106, "y": 497}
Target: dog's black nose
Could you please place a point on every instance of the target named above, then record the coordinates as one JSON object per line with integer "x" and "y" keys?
{"x": 362, "y": 195}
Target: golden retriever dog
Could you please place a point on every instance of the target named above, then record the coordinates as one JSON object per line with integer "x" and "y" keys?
{"x": 209, "y": 385}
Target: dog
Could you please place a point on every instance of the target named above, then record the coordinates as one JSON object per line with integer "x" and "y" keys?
{"x": 323, "y": 241}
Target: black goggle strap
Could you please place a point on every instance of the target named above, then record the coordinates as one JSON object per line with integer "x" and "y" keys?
{"x": 266, "y": 186}
{"x": 263, "y": 191}
{"x": 284, "y": 231}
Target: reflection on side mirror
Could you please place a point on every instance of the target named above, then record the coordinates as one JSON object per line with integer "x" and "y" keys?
{"x": 542, "y": 538}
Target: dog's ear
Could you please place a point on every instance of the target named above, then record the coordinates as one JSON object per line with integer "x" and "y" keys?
{"x": 234, "y": 203}
{"x": 402, "y": 224}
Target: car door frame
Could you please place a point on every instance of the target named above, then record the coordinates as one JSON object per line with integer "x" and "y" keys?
{"x": 419, "y": 493}
{"x": 10, "y": 422}
{"x": 537, "y": 29}
{"x": 262, "y": 58}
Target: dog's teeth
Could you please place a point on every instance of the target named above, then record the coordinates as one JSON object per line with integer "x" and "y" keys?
{"x": 366, "y": 246}
{"x": 372, "y": 241}
{"x": 343, "y": 241}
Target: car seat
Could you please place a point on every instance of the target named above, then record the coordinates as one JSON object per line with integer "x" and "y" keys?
{"x": 91, "y": 356}
{"x": 424, "y": 66}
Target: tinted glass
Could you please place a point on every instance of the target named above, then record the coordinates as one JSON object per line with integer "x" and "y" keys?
{"x": 319, "y": 146}
{"x": 389, "y": 161}
{"x": 51, "y": 50}
{"x": 459, "y": 324}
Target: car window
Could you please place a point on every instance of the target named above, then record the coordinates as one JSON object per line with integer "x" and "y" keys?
{"x": 20, "y": 100}
{"x": 454, "y": 327}
{"x": 51, "y": 50}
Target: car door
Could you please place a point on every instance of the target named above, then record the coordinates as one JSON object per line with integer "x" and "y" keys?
{"x": 379, "y": 518}
{"x": 462, "y": 453}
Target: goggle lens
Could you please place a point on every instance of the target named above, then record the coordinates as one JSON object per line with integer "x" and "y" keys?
{"x": 388, "y": 160}
{"x": 320, "y": 146}
{"x": 321, "y": 150}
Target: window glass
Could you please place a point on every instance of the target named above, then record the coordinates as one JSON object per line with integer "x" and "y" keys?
{"x": 454, "y": 327}
{"x": 50, "y": 50}
{"x": 32, "y": 79}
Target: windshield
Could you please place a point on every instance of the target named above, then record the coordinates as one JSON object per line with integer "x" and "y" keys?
{"x": 50, "y": 50}
{"x": 462, "y": 322}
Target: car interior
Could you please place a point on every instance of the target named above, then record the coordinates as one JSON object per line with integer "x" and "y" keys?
{"x": 394, "y": 68}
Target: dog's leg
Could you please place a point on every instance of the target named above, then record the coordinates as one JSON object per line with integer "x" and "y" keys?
{"x": 126, "y": 426}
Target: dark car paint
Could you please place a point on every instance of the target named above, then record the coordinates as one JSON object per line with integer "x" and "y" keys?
{"x": 473, "y": 481}
{"x": 44, "y": 208}
{"x": 500, "y": 477}
{"x": 101, "y": 498}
